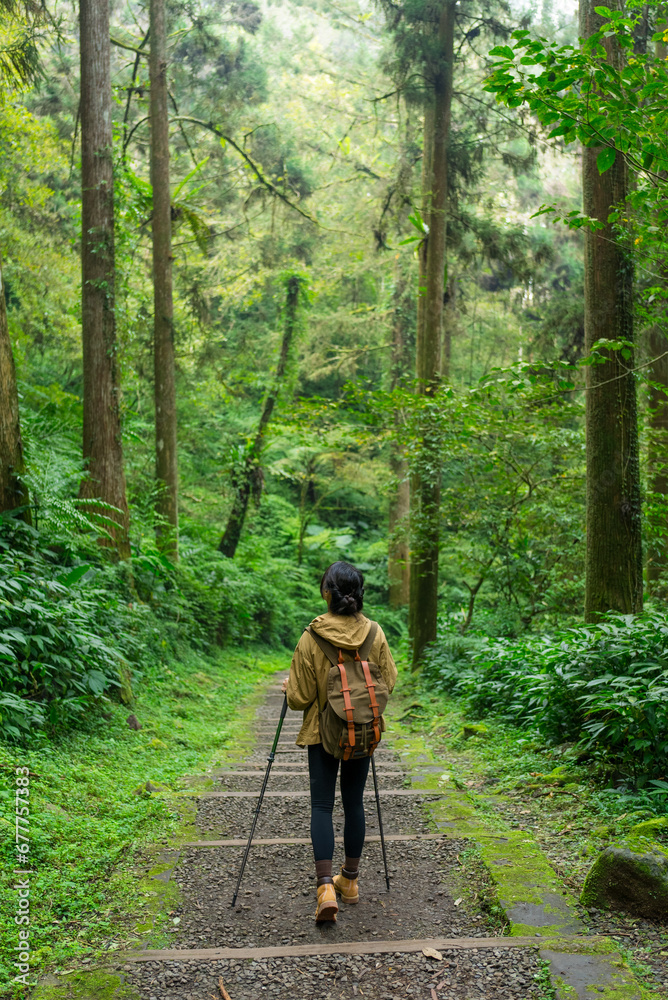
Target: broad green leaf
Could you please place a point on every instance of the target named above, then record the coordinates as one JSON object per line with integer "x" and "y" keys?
{"x": 606, "y": 158}
{"x": 504, "y": 51}
{"x": 67, "y": 579}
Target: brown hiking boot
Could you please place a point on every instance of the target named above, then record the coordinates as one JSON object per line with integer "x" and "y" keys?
{"x": 327, "y": 907}
{"x": 347, "y": 887}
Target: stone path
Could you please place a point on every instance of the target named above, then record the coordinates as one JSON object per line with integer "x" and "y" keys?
{"x": 429, "y": 938}
{"x": 269, "y": 944}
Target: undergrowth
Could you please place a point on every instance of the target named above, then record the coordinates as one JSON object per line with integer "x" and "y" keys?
{"x": 602, "y": 686}
{"x": 89, "y": 810}
{"x": 77, "y": 630}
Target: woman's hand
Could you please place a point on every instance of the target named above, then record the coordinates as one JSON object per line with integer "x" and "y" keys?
{"x": 284, "y": 686}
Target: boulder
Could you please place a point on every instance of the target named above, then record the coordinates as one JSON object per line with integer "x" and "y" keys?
{"x": 634, "y": 881}
{"x": 151, "y": 788}
{"x": 475, "y": 729}
{"x": 652, "y": 828}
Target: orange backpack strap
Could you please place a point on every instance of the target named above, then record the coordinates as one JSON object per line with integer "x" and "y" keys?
{"x": 345, "y": 691}
{"x": 371, "y": 688}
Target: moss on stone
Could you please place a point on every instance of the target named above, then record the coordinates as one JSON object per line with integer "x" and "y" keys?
{"x": 624, "y": 879}
{"x": 93, "y": 984}
{"x": 475, "y": 729}
{"x": 565, "y": 992}
{"x": 651, "y": 827}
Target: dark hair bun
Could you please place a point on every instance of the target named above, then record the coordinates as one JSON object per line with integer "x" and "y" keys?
{"x": 346, "y": 585}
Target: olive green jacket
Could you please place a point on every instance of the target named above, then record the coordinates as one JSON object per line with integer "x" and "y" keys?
{"x": 307, "y": 684}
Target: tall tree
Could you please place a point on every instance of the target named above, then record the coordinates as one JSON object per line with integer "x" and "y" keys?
{"x": 615, "y": 110}
{"x": 657, "y": 559}
{"x": 13, "y": 492}
{"x": 414, "y": 565}
{"x": 249, "y": 477}
{"x": 657, "y": 463}
{"x": 614, "y": 545}
{"x": 398, "y": 563}
{"x": 426, "y": 479}
{"x": 102, "y": 447}
{"x": 166, "y": 465}
{"x": 18, "y": 67}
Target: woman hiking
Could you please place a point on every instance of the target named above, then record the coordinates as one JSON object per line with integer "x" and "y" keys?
{"x": 342, "y": 627}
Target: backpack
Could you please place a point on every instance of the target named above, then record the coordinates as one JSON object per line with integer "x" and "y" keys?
{"x": 351, "y": 722}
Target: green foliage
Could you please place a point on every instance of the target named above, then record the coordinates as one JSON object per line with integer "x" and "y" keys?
{"x": 511, "y": 512}
{"x": 603, "y": 685}
{"x": 295, "y": 102}
{"x": 73, "y": 633}
{"x": 53, "y": 662}
{"x": 260, "y": 599}
{"x": 89, "y": 828}
{"x": 583, "y": 93}
{"x": 610, "y": 93}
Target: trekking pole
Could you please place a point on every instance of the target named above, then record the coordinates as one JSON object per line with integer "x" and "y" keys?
{"x": 270, "y": 759}
{"x": 380, "y": 823}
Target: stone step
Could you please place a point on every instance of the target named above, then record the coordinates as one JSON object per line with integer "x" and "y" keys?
{"x": 373, "y": 838}
{"x": 427, "y": 794}
{"x": 342, "y": 948}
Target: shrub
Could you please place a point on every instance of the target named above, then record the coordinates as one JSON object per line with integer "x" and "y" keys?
{"x": 605, "y": 685}
{"x": 53, "y": 659}
{"x": 72, "y": 632}
{"x": 265, "y": 599}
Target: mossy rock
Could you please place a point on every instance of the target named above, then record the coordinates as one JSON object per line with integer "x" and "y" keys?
{"x": 474, "y": 729}
{"x": 621, "y": 879}
{"x": 93, "y": 984}
{"x": 148, "y": 788}
{"x": 125, "y": 685}
{"x": 651, "y": 828}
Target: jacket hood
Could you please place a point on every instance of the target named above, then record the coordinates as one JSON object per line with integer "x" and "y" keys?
{"x": 348, "y": 631}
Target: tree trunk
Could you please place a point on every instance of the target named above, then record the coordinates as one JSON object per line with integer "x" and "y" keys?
{"x": 13, "y": 493}
{"x": 166, "y": 466}
{"x": 426, "y": 480}
{"x": 398, "y": 564}
{"x": 414, "y": 480}
{"x": 102, "y": 447}
{"x": 250, "y": 473}
{"x": 657, "y": 445}
{"x": 657, "y": 471}
{"x": 614, "y": 544}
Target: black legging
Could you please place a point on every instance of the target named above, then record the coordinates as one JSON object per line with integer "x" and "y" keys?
{"x": 323, "y": 769}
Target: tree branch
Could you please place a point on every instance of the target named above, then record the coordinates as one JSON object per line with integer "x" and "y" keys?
{"x": 255, "y": 167}
{"x": 130, "y": 48}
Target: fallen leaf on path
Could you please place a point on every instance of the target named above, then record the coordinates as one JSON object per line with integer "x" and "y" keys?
{"x": 433, "y": 994}
{"x": 223, "y": 992}
{"x": 439, "y": 986}
{"x": 432, "y": 953}
{"x": 458, "y": 901}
